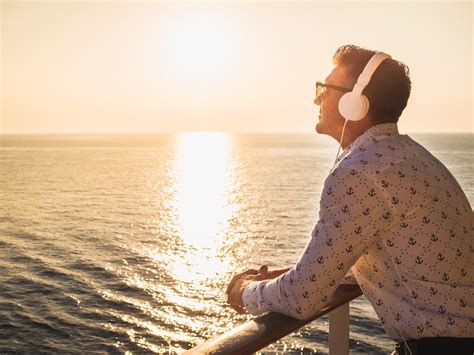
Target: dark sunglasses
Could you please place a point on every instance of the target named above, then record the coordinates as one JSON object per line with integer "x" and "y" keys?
{"x": 322, "y": 88}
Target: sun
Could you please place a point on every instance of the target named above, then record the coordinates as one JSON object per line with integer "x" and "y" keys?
{"x": 202, "y": 45}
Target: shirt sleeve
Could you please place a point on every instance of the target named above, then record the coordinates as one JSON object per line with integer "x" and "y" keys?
{"x": 352, "y": 214}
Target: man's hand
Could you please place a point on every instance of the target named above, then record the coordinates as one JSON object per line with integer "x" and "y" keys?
{"x": 238, "y": 283}
{"x": 234, "y": 295}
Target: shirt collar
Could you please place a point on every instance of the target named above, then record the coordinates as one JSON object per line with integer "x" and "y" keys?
{"x": 370, "y": 136}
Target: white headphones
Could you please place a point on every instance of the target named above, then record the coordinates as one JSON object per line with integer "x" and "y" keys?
{"x": 353, "y": 106}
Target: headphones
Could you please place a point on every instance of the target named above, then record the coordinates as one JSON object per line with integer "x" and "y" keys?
{"x": 353, "y": 106}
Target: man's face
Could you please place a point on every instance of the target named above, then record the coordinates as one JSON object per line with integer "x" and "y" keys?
{"x": 330, "y": 121}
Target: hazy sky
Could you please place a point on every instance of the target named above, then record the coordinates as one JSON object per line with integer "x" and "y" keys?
{"x": 104, "y": 66}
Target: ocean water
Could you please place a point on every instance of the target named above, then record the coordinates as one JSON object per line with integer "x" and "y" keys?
{"x": 126, "y": 243}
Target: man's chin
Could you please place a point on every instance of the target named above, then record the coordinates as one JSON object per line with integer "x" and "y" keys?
{"x": 320, "y": 128}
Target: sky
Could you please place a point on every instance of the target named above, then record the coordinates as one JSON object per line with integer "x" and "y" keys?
{"x": 145, "y": 67}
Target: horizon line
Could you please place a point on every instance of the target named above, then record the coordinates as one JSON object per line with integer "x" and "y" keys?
{"x": 204, "y": 131}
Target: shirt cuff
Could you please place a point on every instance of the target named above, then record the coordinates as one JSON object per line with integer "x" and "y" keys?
{"x": 253, "y": 298}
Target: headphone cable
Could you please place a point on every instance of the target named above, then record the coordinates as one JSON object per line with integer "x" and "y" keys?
{"x": 340, "y": 143}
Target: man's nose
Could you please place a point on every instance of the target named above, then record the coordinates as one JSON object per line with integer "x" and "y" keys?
{"x": 317, "y": 101}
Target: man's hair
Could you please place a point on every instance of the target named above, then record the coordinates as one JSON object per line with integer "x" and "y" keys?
{"x": 389, "y": 88}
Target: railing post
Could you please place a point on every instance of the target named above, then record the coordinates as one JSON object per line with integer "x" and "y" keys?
{"x": 339, "y": 330}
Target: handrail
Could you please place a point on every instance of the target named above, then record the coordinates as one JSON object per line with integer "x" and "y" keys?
{"x": 264, "y": 330}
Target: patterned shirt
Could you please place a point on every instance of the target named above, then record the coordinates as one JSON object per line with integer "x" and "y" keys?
{"x": 394, "y": 216}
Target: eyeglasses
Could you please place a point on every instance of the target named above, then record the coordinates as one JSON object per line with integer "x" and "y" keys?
{"x": 321, "y": 89}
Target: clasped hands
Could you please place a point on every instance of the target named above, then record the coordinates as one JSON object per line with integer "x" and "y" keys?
{"x": 238, "y": 283}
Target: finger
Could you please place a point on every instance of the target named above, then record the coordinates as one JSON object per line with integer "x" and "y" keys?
{"x": 237, "y": 308}
{"x": 240, "y": 310}
{"x": 263, "y": 269}
{"x": 238, "y": 276}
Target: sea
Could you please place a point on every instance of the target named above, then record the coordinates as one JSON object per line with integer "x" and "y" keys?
{"x": 126, "y": 243}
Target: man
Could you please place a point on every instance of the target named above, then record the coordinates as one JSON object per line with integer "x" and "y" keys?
{"x": 391, "y": 215}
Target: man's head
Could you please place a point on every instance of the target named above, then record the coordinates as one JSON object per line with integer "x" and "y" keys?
{"x": 387, "y": 91}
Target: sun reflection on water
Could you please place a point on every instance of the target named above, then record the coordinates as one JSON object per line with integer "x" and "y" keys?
{"x": 191, "y": 259}
{"x": 201, "y": 202}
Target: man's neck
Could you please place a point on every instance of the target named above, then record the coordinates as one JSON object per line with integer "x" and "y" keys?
{"x": 352, "y": 131}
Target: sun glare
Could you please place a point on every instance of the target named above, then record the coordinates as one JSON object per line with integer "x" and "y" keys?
{"x": 201, "y": 202}
{"x": 203, "y": 186}
{"x": 202, "y": 45}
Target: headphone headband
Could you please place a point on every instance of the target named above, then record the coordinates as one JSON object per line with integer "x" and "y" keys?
{"x": 369, "y": 70}
{"x": 353, "y": 106}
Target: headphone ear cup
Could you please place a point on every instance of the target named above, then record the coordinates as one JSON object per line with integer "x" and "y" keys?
{"x": 353, "y": 107}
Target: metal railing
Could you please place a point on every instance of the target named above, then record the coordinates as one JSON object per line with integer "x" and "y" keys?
{"x": 262, "y": 331}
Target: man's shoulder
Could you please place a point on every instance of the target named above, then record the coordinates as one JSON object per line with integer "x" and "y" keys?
{"x": 382, "y": 157}
{"x": 384, "y": 152}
